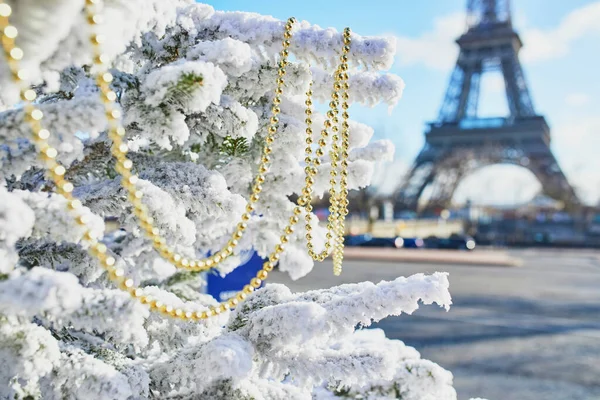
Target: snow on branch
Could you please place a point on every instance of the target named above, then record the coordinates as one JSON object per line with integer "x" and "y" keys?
{"x": 335, "y": 312}
{"x": 16, "y": 221}
{"x": 28, "y": 352}
{"x": 368, "y": 88}
{"x": 309, "y": 43}
{"x": 54, "y": 221}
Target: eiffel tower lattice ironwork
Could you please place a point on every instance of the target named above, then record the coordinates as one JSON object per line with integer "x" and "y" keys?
{"x": 460, "y": 142}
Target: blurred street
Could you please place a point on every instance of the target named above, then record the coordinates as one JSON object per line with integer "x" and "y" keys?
{"x": 532, "y": 331}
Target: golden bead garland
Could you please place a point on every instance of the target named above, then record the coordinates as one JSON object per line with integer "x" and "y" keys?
{"x": 124, "y": 165}
{"x": 338, "y": 200}
{"x": 56, "y": 173}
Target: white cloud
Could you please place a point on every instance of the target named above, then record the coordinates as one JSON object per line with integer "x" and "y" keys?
{"x": 577, "y": 99}
{"x": 498, "y": 185}
{"x": 576, "y": 142}
{"x": 388, "y": 176}
{"x": 541, "y": 45}
{"x": 435, "y": 49}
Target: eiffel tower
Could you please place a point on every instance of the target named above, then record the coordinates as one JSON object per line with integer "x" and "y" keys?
{"x": 459, "y": 142}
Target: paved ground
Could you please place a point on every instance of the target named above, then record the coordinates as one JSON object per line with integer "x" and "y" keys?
{"x": 514, "y": 333}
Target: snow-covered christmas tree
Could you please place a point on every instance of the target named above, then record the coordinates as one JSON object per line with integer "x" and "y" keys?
{"x": 195, "y": 87}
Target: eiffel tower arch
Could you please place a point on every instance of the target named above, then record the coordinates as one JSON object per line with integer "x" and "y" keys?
{"x": 460, "y": 142}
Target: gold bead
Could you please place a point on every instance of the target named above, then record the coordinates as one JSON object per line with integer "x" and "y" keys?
{"x": 254, "y": 198}
{"x": 245, "y": 217}
{"x": 100, "y": 248}
{"x": 294, "y": 219}
{"x": 110, "y": 95}
{"x": 75, "y": 204}
{"x": 101, "y": 59}
{"x": 28, "y": 95}
{"x": 279, "y": 248}
{"x": 284, "y": 239}
{"x": 231, "y": 303}
{"x": 286, "y": 43}
{"x": 95, "y": 19}
{"x": 297, "y": 210}
{"x": 21, "y": 75}
{"x": 268, "y": 266}
{"x": 274, "y": 120}
{"x": 255, "y": 282}
{"x": 269, "y": 140}
{"x": 223, "y": 308}
{"x": 292, "y": 20}
{"x": 281, "y": 71}
{"x": 98, "y": 39}
{"x": 5, "y": 10}
{"x": 66, "y": 187}
{"x": 241, "y": 296}
{"x": 178, "y": 312}
{"x": 16, "y": 54}
{"x": 248, "y": 289}
{"x": 157, "y": 304}
{"x": 285, "y": 52}
{"x": 347, "y": 42}
{"x": 274, "y": 257}
{"x": 113, "y": 114}
{"x": 289, "y": 229}
{"x": 242, "y": 226}
{"x": 262, "y": 275}
{"x": 272, "y": 129}
{"x": 249, "y": 207}
{"x": 50, "y": 152}
{"x": 36, "y": 115}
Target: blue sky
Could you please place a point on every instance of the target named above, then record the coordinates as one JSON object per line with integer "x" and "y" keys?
{"x": 562, "y": 45}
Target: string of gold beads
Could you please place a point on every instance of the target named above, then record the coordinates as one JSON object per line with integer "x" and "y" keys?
{"x": 338, "y": 201}
{"x": 124, "y": 165}
{"x": 48, "y": 154}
